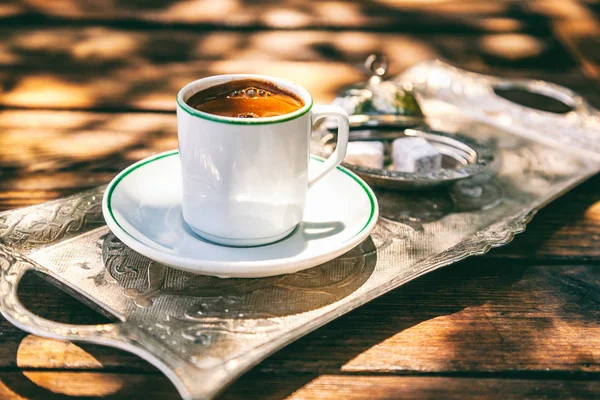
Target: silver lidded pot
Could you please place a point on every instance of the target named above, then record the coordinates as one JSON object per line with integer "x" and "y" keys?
{"x": 383, "y": 110}
{"x": 379, "y": 102}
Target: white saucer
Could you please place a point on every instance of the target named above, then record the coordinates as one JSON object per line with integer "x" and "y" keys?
{"x": 142, "y": 207}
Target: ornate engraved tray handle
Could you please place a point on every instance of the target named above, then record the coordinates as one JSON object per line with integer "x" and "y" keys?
{"x": 203, "y": 332}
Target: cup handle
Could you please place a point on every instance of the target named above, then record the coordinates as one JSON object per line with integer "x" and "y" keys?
{"x": 325, "y": 111}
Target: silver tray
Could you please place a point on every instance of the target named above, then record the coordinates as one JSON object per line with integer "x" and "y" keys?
{"x": 203, "y": 332}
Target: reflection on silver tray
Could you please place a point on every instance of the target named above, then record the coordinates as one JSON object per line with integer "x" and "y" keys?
{"x": 462, "y": 157}
{"x": 384, "y": 120}
{"x": 203, "y": 332}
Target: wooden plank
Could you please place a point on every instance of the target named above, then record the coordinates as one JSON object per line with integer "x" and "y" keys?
{"x": 62, "y": 385}
{"x": 471, "y": 317}
{"x": 567, "y": 229}
{"x": 369, "y": 387}
{"x": 576, "y": 25}
{"x": 118, "y": 69}
{"x": 478, "y": 316}
{"x": 395, "y": 15}
{"x": 50, "y": 154}
{"x": 52, "y": 385}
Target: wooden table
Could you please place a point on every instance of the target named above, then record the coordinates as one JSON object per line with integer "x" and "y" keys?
{"x": 88, "y": 87}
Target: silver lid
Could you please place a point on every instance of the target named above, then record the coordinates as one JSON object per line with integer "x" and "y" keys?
{"x": 377, "y": 95}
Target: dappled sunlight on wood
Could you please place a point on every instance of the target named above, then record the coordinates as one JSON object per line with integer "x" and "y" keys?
{"x": 88, "y": 144}
{"x": 105, "y": 45}
{"x": 43, "y": 39}
{"x": 403, "y": 52}
{"x": 77, "y": 120}
{"x": 399, "y": 352}
{"x": 155, "y": 101}
{"x": 20, "y": 119}
{"x": 7, "y": 56}
{"x": 500, "y": 24}
{"x": 22, "y": 198}
{"x": 512, "y": 46}
{"x": 278, "y": 46}
{"x": 99, "y": 145}
{"x": 62, "y": 7}
{"x": 47, "y": 90}
{"x": 77, "y": 383}
{"x": 447, "y": 6}
{"x": 578, "y": 27}
{"x": 55, "y": 141}
{"x": 117, "y": 68}
{"x": 38, "y": 352}
{"x": 197, "y": 10}
{"x": 592, "y": 214}
{"x": 88, "y": 43}
{"x": 442, "y": 344}
{"x": 146, "y": 122}
{"x": 139, "y": 81}
{"x": 285, "y": 18}
{"x": 119, "y": 49}
{"x": 340, "y": 13}
{"x": 7, "y": 393}
{"x": 412, "y": 3}
{"x": 570, "y": 237}
{"x": 543, "y": 313}
{"x": 357, "y": 43}
{"x": 287, "y": 13}
{"x": 39, "y": 150}
{"x": 558, "y": 8}
{"x": 7, "y": 10}
{"x": 356, "y": 387}
{"x": 45, "y": 179}
{"x": 218, "y": 45}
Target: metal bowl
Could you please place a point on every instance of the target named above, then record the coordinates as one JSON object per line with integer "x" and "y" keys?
{"x": 462, "y": 157}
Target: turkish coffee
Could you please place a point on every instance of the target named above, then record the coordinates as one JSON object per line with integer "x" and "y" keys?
{"x": 247, "y": 98}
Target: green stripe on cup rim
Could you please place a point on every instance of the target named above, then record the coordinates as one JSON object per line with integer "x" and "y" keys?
{"x": 112, "y": 186}
{"x": 244, "y": 121}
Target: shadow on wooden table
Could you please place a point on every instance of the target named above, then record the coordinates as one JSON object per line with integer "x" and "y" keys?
{"x": 566, "y": 229}
{"x": 338, "y": 346}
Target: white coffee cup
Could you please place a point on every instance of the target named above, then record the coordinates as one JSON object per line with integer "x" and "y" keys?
{"x": 245, "y": 180}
